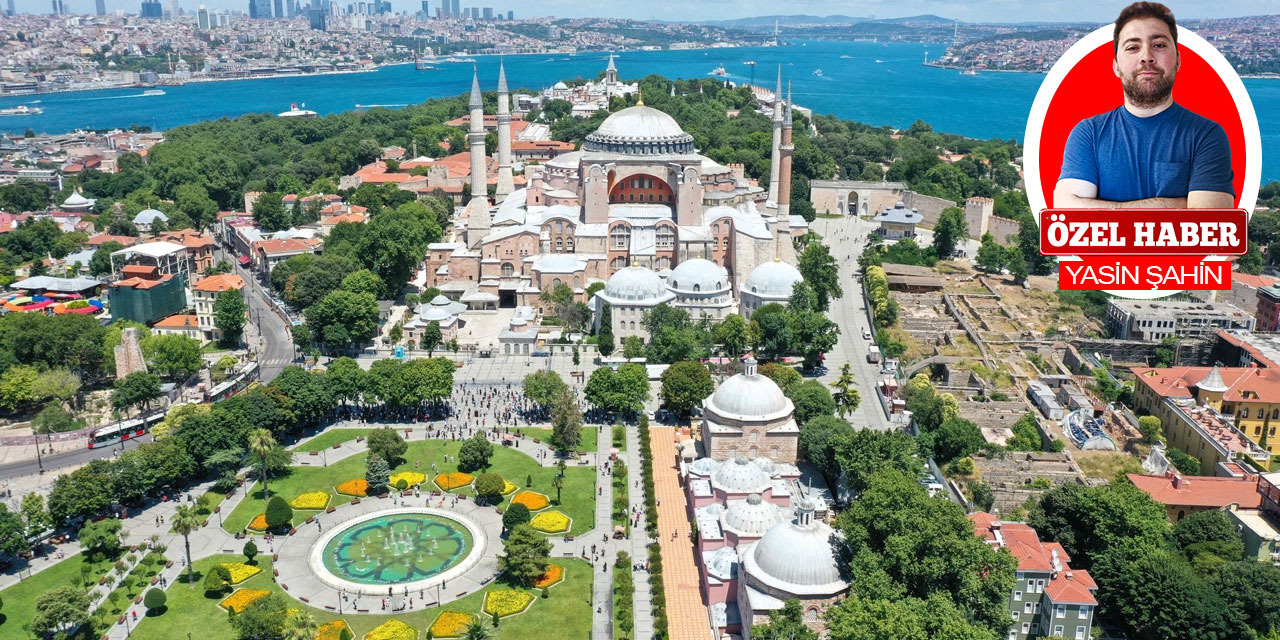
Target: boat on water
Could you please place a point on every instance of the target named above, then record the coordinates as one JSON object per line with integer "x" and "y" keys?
{"x": 719, "y": 71}
{"x": 21, "y": 110}
{"x": 750, "y": 63}
{"x": 969, "y": 72}
{"x": 817, "y": 72}
{"x": 153, "y": 92}
{"x": 846, "y": 57}
{"x": 297, "y": 112}
{"x": 879, "y": 61}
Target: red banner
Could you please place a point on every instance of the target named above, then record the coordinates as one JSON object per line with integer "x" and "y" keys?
{"x": 1149, "y": 273}
{"x": 1148, "y": 232}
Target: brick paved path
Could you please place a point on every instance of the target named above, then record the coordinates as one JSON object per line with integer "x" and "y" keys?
{"x": 687, "y": 615}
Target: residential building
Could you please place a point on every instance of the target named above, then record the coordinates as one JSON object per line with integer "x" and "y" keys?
{"x": 205, "y": 292}
{"x": 268, "y": 253}
{"x": 1268, "y": 308}
{"x": 1183, "y": 496}
{"x": 179, "y": 324}
{"x": 1049, "y": 598}
{"x": 199, "y": 248}
{"x": 1216, "y": 414}
{"x": 1260, "y": 528}
{"x": 147, "y": 297}
{"x": 1153, "y": 320}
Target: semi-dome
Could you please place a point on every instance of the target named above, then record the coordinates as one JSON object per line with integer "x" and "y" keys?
{"x": 434, "y": 314}
{"x": 752, "y": 517}
{"x": 639, "y": 130}
{"x": 560, "y": 86}
{"x": 750, "y": 395}
{"x": 740, "y": 476}
{"x": 635, "y": 284}
{"x": 568, "y": 160}
{"x": 704, "y": 466}
{"x": 149, "y": 216}
{"x": 698, "y": 275}
{"x": 721, "y": 562}
{"x": 774, "y": 279}
{"x": 798, "y": 558}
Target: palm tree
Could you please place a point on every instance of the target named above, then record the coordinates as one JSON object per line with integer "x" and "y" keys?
{"x": 261, "y": 442}
{"x": 558, "y": 483}
{"x": 299, "y": 625}
{"x": 476, "y": 631}
{"x": 185, "y": 521}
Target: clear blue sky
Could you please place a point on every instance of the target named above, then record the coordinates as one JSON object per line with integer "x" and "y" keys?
{"x": 969, "y": 10}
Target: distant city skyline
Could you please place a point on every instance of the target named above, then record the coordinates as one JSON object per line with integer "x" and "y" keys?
{"x": 964, "y": 10}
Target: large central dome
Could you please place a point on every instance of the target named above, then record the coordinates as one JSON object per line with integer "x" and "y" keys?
{"x": 640, "y": 130}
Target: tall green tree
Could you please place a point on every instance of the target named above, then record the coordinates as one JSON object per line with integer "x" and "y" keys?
{"x": 820, "y": 269}
{"x": 566, "y": 423}
{"x": 991, "y": 256}
{"x": 525, "y": 555}
{"x": 378, "y": 474}
{"x": 811, "y": 400}
{"x": 59, "y": 609}
{"x": 185, "y": 522}
{"x": 229, "y": 312}
{"x": 388, "y": 444}
{"x": 785, "y": 624}
{"x": 685, "y": 385}
{"x": 173, "y": 356}
{"x": 261, "y": 442}
{"x": 1089, "y": 520}
{"x": 950, "y": 230}
{"x": 475, "y": 453}
{"x": 269, "y": 212}
{"x": 136, "y": 389}
{"x": 542, "y": 387}
{"x": 732, "y": 335}
{"x": 845, "y": 394}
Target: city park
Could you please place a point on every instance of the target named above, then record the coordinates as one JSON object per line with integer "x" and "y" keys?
{"x": 480, "y": 523}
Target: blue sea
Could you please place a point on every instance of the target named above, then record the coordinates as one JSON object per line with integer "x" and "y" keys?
{"x": 875, "y": 83}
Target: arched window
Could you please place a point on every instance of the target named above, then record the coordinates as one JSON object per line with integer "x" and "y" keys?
{"x": 621, "y": 236}
{"x": 555, "y": 283}
{"x": 665, "y": 238}
{"x": 697, "y": 287}
{"x": 508, "y": 269}
{"x": 773, "y": 453}
{"x": 753, "y": 453}
{"x": 559, "y": 226}
{"x": 576, "y": 282}
{"x": 812, "y": 614}
{"x": 755, "y": 436}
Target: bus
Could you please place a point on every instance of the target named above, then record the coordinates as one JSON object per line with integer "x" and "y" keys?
{"x": 125, "y": 430}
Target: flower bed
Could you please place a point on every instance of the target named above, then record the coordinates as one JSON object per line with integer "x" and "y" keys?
{"x": 551, "y": 522}
{"x": 507, "y": 487}
{"x": 259, "y": 522}
{"x": 410, "y": 478}
{"x": 357, "y": 487}
{"x": 506, "y": 602}
{"x": 311, "y": 501}
{"x": 451, "y": 481}
{"x": 243, "y": 598}
{"x": 451, "y": 624}
{"x": 332, "y": 630}
{"x": 393, "y": 630}
{"x": 554, "y": 574}
{"x": 241, "y": 571}
{"x": 531, "y": 499}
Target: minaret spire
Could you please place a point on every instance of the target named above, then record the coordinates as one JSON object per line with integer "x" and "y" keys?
{"x": 478, "y": 208}
{"x": 785, "y": 151}
{"x": 777, "y": 139}
{"x": 506, "y": 183}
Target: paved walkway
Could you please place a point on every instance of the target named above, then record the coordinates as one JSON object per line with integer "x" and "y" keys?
{"x": 642, "y": 600}
{"x": 687, "y": 615}
{"x": 602, "y": 587}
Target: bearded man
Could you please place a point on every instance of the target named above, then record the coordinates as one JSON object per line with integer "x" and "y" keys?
{"x": 1150, "y": 153}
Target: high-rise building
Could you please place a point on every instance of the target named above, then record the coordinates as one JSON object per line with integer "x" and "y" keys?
{"x": 59, "y": 8}
{"x": 511, "y": 15}
{"x": 316, "y": 17}
{"x": 152, "y": 9}
{"x": 175, "y": 10}
{"x": 279, "y": 9}
{"x": 457, "y": 10}
{"x": 11, "y": 11}
{"x": 426, "y": 12}
{"x": 488, "y": 13}
{"x": 100, "y": 6}
{"x": 202, "y": 18}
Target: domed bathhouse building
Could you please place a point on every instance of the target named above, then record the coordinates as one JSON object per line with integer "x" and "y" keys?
{"x": 769, "y": 282}
{"x": 637, "y": 195}
{"x": 631, "y": 292}
{"x": 748, "y": 415}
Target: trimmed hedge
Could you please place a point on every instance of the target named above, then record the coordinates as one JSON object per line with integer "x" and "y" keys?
{"x": 656, "y": 591}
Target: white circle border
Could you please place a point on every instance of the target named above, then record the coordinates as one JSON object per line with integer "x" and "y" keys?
{"x": 329, "y": 579}
{"x": 1086, "y": 45}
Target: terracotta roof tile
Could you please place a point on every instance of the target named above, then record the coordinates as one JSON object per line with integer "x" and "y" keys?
{"x": 179, "y": 321}
{"x": 219, "y": 283}
{"x": 1199, "y": 491}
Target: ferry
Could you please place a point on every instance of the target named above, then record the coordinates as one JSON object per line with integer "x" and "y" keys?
{"x": 21, "y": 110}
{"x": 719, "y": 71}
{"x": 879, "y": 61}
{"x": 153, "y": 92}
{"x": 296, "y": 112}
{"x": 969, "y": 72}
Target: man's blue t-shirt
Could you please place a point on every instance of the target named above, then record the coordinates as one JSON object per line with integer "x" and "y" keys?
{"x": 1164, "y": 156}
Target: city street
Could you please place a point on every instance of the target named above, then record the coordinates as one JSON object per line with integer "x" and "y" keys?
{"x": 849, "y": 313}
{"x": 266, "y": 332}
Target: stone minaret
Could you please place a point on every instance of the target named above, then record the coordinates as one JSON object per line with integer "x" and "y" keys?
{"x": 505, "y": 183}
{"x": 777, "y": 139}
{"x": 786, "y": 250}
{"x": 610, "y": 77}
{"x": 478, "y": 209}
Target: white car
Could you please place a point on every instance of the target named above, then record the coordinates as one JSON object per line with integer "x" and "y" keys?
{"x": 866, "y": 334}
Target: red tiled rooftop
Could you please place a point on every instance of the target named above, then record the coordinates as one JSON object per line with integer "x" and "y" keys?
{"x": 219, "y": 283}
{"x": 1250, "y": 384}
{"x": 103, "y": 238}
{"x": 1065, "y": 586}
{"x": 1199, "y": 491}
{"x": 179, "y": 321}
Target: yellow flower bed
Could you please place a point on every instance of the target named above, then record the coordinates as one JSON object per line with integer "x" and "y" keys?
{"x": 451, "y": 481}
{"x": 551, "y": 522}
{"x": 241, "y": 571}
{"x": 393, "y": 630}
{"x": 243, "y": 598}
{"x": 554, "y": 574}
{"x": 259, "y": 522}
{"x": 331, "y": 630}
{"x": 506, "y": 602}
{"x": 507, "y": 487}
{"x": 451, "y": 624}
{"x": 357, "y": 487}
{"x": 531, "y": 499}
{"x": 311, "y": 500}
{"x": 410, "y": 478}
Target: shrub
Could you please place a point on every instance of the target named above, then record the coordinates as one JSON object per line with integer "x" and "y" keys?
{"x": 489, "y": 486}
{"x": 279, "y": 513}
{"x": 516, "y": 514}
{"x": 250, "y": 551}
{"x": 154, "y": 600}
{"x": 402, "y": 484}
{"x": 217, "y": 579}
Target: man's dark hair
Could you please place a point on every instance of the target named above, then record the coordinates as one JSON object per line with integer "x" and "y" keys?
{"x": 1140, "y": 10}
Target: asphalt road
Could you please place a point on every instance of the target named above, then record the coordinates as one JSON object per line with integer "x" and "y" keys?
{"x": 274, "y": 343}
{"x": 67, "y": 459}
{"x": 850, "y": 315}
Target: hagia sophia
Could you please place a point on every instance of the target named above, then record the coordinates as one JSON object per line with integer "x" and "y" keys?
{"x": 637, "y": 208}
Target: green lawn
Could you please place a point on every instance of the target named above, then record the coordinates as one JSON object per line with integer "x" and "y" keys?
{"x": 19, "y": 599}
{"x": 589, "y": 443}
{"x": 579, "y": 501}
{"x": 330, "y": 438}
{"x": 567, "y": 610}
